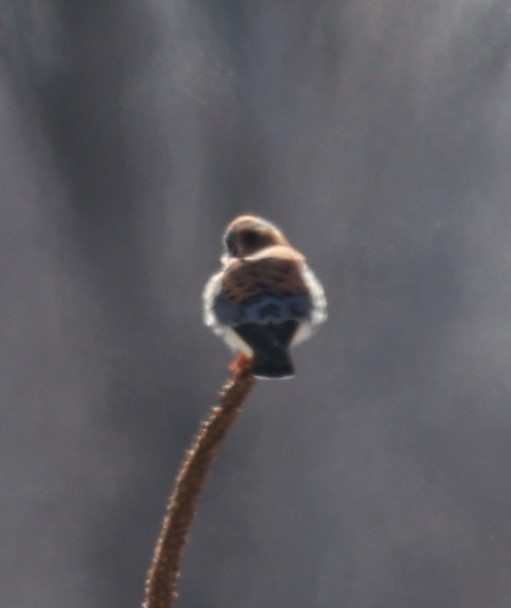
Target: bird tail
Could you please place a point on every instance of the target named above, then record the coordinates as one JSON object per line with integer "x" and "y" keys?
{"x": 270, "y": 348}
{"x": 274, "y": 367}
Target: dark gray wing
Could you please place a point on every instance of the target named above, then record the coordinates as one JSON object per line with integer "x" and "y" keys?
{"x": 262, "y": 310}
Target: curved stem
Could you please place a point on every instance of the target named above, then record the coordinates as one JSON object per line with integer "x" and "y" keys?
{"x": 162, "y": 578}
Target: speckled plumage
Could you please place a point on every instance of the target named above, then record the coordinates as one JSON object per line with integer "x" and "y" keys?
{"x": 273, "y": 270}
{"x": 265, "y": 299}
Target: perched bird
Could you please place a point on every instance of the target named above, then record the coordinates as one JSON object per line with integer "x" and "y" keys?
{"x": 265, "y": 299}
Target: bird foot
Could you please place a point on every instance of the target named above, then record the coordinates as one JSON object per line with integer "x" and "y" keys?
{"x": 239, "y": 363}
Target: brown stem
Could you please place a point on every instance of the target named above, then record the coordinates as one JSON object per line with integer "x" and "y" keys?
{"x": 161, "y": 583}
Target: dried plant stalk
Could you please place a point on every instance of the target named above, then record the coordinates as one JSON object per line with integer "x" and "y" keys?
{"x": 162, "y": 578}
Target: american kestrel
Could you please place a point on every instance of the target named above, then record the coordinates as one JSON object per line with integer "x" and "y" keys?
{"x": 265, "y": 299}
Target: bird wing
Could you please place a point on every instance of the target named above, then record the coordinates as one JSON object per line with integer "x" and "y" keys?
{"x": 272, "y": 286}
{"x": 267, "y": 287}
{"x": 263, "y": 309}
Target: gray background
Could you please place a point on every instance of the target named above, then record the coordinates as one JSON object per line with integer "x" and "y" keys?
{"x": 378, "y": 135}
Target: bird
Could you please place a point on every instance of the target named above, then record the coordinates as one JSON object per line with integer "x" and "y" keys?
{"x": 265, "y": 299}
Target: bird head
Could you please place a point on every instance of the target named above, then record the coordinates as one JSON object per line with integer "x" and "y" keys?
{"x": 248, "y": 234}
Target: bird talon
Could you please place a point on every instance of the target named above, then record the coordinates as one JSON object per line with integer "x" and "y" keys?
{"x": 239, "y": 363}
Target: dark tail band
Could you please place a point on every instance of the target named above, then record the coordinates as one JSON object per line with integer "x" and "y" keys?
{"x": 280, "y": 368}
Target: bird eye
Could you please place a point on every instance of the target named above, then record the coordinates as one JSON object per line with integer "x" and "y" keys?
{"x": 250, "y": 238}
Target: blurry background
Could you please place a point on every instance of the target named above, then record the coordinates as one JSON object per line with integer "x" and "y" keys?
{"x": 378, "y": 135}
